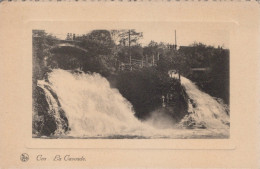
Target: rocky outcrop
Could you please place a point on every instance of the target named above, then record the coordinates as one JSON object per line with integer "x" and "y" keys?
{"x": 45, "y": 117}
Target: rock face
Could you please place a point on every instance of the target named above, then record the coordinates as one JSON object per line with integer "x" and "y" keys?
{"x": 45, "y": 116}
{"x": 145, "y": 89}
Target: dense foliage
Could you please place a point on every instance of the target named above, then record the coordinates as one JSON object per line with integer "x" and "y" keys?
{"x": 144, "y": 89}
{"x": 42, "y": 43}
{"x": 215, "y": 80}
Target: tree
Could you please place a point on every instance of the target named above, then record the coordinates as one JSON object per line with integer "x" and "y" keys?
{"x": 127, "y": 38}
{"x": 42, "y": 42}
{"x": 151, "y": 51}
{"x": 179, "y": 63}
{"x": 98, "y": 42}
{"x": 215, "y": 79}
{"x": 122, "y": 37}
{"x": 101, "y": 57}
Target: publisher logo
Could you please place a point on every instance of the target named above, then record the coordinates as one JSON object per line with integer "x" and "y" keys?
{"x": 24, "y": 157}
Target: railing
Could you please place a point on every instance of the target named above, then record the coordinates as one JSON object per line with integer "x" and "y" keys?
{"x": 135, "y": 64}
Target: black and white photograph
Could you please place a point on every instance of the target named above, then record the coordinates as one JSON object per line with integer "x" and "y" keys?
{"x": 131, "y": 83}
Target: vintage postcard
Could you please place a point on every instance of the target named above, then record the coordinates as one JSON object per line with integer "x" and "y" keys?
{"x": 129, "y": 84}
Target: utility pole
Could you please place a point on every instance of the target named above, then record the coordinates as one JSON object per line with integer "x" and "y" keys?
{"x": 142, "y": 62}
{"x": 175, "y": 41}
{"x": 146, "y": 60}
{"x": 129, "y": 44}
{"x": 153, "y": 60}
{"x": 179, "y": 74}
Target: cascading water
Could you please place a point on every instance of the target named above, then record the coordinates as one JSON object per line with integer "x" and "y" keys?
{"x": 93, "y": 109}
{"x": 204, "y": 110}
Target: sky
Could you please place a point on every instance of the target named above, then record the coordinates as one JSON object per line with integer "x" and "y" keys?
{"x": 187, "y": 33}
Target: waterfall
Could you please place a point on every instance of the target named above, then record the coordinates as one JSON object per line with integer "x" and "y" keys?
{"x": 94, "y": 109}
{"x": 204, "y": 110}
